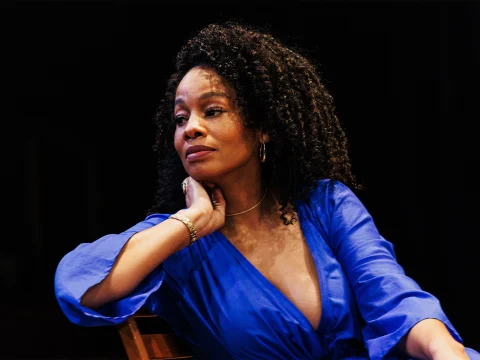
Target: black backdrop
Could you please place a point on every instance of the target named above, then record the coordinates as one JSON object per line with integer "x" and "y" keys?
{"x": 78, "y": 159}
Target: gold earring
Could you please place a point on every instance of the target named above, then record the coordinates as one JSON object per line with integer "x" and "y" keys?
{"x": 263, "y": 152}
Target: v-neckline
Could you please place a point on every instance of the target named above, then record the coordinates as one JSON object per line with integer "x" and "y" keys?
{"x": 275, "y": 289}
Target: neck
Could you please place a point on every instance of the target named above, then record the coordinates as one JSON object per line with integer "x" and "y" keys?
{"x": 251, "y": 208}
{"x": 255, "y": 217}
{"x": 242, "y": 194}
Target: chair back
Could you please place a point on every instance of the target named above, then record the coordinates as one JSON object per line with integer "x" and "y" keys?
{"x": 146, "y": 337}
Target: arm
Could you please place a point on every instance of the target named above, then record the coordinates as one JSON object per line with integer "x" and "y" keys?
{"x": 430, "y": 339}
{"x": 144, "y": 252}
{"x": 106, "y": 281}
{"x": 147, "y": 249}
{"x": 88, "y": 265}
{"x": 391, "y": 303}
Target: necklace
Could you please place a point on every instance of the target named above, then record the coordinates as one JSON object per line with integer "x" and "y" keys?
{"x": 243, "y": 212}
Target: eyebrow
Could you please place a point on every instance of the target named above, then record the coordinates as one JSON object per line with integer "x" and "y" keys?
{"x": 204, "y": 96}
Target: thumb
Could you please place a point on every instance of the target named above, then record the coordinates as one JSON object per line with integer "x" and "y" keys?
{"x": 217, "y": 196}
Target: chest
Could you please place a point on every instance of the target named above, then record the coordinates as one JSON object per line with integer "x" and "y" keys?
{"x": 283, "y": 257}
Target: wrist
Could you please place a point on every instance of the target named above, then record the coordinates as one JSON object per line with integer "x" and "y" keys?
{"x": 191, "y": 228}
{"x": 430, "y": 339}
{"x": 443, "y": 348}
{"x": 196, "y": 217}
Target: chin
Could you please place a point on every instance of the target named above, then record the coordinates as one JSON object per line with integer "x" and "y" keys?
{"x": 210, "y": 172}
{"x": 203, "y": 174}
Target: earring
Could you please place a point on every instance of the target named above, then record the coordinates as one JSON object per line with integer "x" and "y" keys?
{"x": 263, "y": 152}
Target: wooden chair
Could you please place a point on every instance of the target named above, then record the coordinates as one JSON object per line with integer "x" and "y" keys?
{"x": 146, "y": 337}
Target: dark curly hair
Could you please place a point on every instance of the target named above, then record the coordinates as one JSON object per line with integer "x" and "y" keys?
{"x": 279, "y": 92}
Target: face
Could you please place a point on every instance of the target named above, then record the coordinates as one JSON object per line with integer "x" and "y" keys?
{"x": 210, "y": 137}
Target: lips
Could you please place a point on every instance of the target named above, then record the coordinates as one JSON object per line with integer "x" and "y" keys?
{"x": 197, "y": 148}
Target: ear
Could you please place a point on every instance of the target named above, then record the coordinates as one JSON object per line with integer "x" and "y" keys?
{"x": 264, "y": 137}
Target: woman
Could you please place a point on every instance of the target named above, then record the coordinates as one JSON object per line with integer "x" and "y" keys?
{"x": 266, "y": 253}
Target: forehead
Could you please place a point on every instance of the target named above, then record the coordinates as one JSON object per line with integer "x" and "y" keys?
{"x": 199, "y": 80}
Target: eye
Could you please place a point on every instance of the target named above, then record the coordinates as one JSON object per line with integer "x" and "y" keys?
{"x": 214, "y": 111}
{"x": 179, "y": 119}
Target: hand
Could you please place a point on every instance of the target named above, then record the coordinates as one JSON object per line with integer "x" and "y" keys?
{"x": 430, "y": 339}
{"x": 207, "y": 214}
{"x": 454, "y": 351}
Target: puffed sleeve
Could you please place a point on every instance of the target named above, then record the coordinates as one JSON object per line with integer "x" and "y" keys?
{"x": 389, "y": 301}
{"x": 88, "y": 264}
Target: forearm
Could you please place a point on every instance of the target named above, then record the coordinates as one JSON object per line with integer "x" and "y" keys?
{"x": 144, "y": 252}
{"x": 430, "y": 339}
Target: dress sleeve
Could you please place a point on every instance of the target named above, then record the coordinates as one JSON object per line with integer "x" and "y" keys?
{"x": 88, "y": 264}
{"x": 389, "y": 301}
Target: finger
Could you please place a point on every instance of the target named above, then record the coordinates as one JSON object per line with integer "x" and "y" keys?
{"x": 217, "y": 196}
{"x": 186, "y": 191}
{"x": 184, "y": 186}
{"x": 209, "y": 184}
{"x": 194, "y": 184}
{"x": 198, "y": 186}
{"x": 196, "y": 193}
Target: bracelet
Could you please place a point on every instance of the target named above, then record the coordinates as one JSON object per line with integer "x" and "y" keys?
{"x": 188, "y": 224}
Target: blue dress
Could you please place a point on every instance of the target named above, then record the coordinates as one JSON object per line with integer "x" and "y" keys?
{"x": 220, "y": 303}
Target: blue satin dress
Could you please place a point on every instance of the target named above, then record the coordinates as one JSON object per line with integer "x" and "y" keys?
{"x": 220, "y": 303}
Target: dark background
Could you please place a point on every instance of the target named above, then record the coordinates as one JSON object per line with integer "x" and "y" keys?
{"x": 77, "y": 151}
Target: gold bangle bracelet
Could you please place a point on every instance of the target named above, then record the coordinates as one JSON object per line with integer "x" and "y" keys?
{"x": 188, "y": 224}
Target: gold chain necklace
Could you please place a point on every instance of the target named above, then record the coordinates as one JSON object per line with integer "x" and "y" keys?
{"x": 243, "y": 212}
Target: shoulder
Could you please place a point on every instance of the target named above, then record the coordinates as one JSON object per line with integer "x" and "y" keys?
{"x": 330, "y": 191}
{"x": 329, "y": 199}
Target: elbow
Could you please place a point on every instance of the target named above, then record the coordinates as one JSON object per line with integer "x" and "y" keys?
{"x": 88, "y": 301}
{"x": 100, "y": 294}
{"x": 93, "y": 298}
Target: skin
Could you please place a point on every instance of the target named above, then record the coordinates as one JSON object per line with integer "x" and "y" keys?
{"x": 233, "y": 170}
{"x": 233, "y": 175}
{"x": 215, "y": 121}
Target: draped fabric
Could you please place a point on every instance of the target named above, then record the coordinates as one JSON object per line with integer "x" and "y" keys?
{"x": 219, "y": 302}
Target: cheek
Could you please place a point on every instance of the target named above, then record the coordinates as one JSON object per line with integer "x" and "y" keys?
{"x": 243, "y": 138}
{"x": 235, "y": 140}
{"x": 240, "y": 147}
{"x": 177, "y": 141}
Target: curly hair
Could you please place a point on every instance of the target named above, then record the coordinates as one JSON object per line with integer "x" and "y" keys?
{"x": 278, "y": 91}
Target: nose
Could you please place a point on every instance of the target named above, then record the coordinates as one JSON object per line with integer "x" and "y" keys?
{"x": 195, "y": 127}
